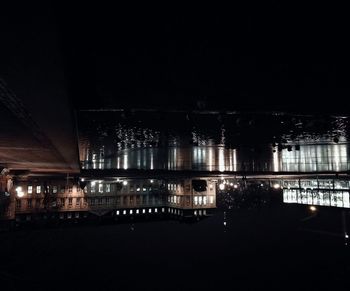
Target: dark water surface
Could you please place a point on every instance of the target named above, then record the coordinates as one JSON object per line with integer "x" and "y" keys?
{"x": 275, "y": 247}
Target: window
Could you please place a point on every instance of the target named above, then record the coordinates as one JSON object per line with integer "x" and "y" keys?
{"x": 107, "y": 200}
{"x": 205, "y": 200}
{"x": 37, "y": 203}
{"x": 30, "y": 189}
{"x": 54, "y": 189}
{"x": 200, "y": 200}
{"x": 144, "y": 189}
{"x": 62, "y": 202}
{"x": 70, "y": 201}
{"x": 62, "y": 189}
{"x": 108, "y": 188}
{"x": 77, "y": 202}
{"x": 70, "y": 189}
{"x": 131, "y": 188}
{"x": 100, "y": 188}
{"x": 92, "y": 187}
{"x": 18, "y": 203}
{"x": 29, "y": 203}
{"x": 38, "y": 189}
{"x": 211, "y": 199}
{"x": 195, "y": 200}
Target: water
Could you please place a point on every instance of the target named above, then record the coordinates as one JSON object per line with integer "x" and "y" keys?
{"x": 214, "y": 142}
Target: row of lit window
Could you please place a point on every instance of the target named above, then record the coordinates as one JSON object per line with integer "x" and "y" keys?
{"x": 137, "y": 211}
{"x": 39, "y": 189}
{"x": 100, "y": 187}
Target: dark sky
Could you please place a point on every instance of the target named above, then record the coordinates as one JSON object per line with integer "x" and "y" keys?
{"x": 233, "y": 57}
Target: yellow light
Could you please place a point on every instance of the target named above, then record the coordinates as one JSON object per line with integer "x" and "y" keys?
{"x": 19, "y": 191}
{"x": 313, "y": 208}
{"x": 276, "y": 186}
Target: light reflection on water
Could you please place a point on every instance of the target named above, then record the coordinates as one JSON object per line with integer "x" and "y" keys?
{"x": 309, "y": 158}
{"x": 300, "y": 147}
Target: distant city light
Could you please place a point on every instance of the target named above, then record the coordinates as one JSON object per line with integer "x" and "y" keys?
{"x": 346, "y": 235}
{"x": 151, "y": 181}
{"x": 222, "y": 186}
{"x": 125, "y": 183}
{"x": 235, "y": 186}
{"x": 313, "y": 208}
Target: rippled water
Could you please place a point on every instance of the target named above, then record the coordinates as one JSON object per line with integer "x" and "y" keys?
{"x": 213, "y": 142}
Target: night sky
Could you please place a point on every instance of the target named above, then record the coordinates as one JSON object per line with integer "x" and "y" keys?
{"x": 250, "y": 58}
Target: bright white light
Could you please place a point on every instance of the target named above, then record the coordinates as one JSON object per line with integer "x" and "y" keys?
{"x": 138, "y": 189}
{"x": 143, "y": 210}
{"x": 262, "y": 185}
{"x": 125, "y": 183}
{"x": 124, "y": 212}
{"x": 93, "y": 183}
{"x": 231, "y": 184}
{"x": 82, "y": 179}
{"x": 235, "y": 186}
{"x": 19, "y": 191}
{"x": 150, "y": 210}
{"x": 137, "y": 211}
{"x": 346, "y": 236}
{"x": 117, "y": 212}
{"x": 313, "y": 208}
{"x": 225, "y": 223}
{"x": 276, "y": 186}
{"x": 222, "y": 186}
{"x": 151, "y": 181}
{"x": 130, "y": 211}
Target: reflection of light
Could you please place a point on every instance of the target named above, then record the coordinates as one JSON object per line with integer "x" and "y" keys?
{"x": 125, "y": 183}
{"x": 276, "y": 186}
{"x": 313, "y": 208}
{"x": 275, "y": 161}
{"x": 20, "y": 192}
{"x": 221, "y": 160}
{"x": 222, "y": 186}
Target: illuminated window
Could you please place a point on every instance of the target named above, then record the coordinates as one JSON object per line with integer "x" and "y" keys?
{"x": 38, "y": 189}
{"x": 205, "y": 200}
{"x": 138, "y": 189}
{"x": 144, "y": 189}
{"x": 137, "y": 211}
{"x": 150, "y": 210}
{"x": 156, "y": 210}
{"x": 124, "y": 212}
{"x": 108, "y": 188}
{"x": 100, "y": 188}
{"x": 54, "y": 189}
{"x": 143, "y": 210}
{"x": 195, "y": 200}
{"x": 117, "y": 212}
{"x": 200, "y": 200}
{"x": 30, "y": 189}
{"x": 130, "y": 211}
{"x": 211, "y": 199}
{"x": 92, "y": 187}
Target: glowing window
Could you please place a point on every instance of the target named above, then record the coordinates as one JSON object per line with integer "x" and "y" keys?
{"x": 100, "y": 187}
{"x": 108, "y": 188}
{"x": 38, "y": 189}
{"x": 30, "y": 189}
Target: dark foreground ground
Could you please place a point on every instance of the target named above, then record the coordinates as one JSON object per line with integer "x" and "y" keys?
{"x": 266, "y": 248}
